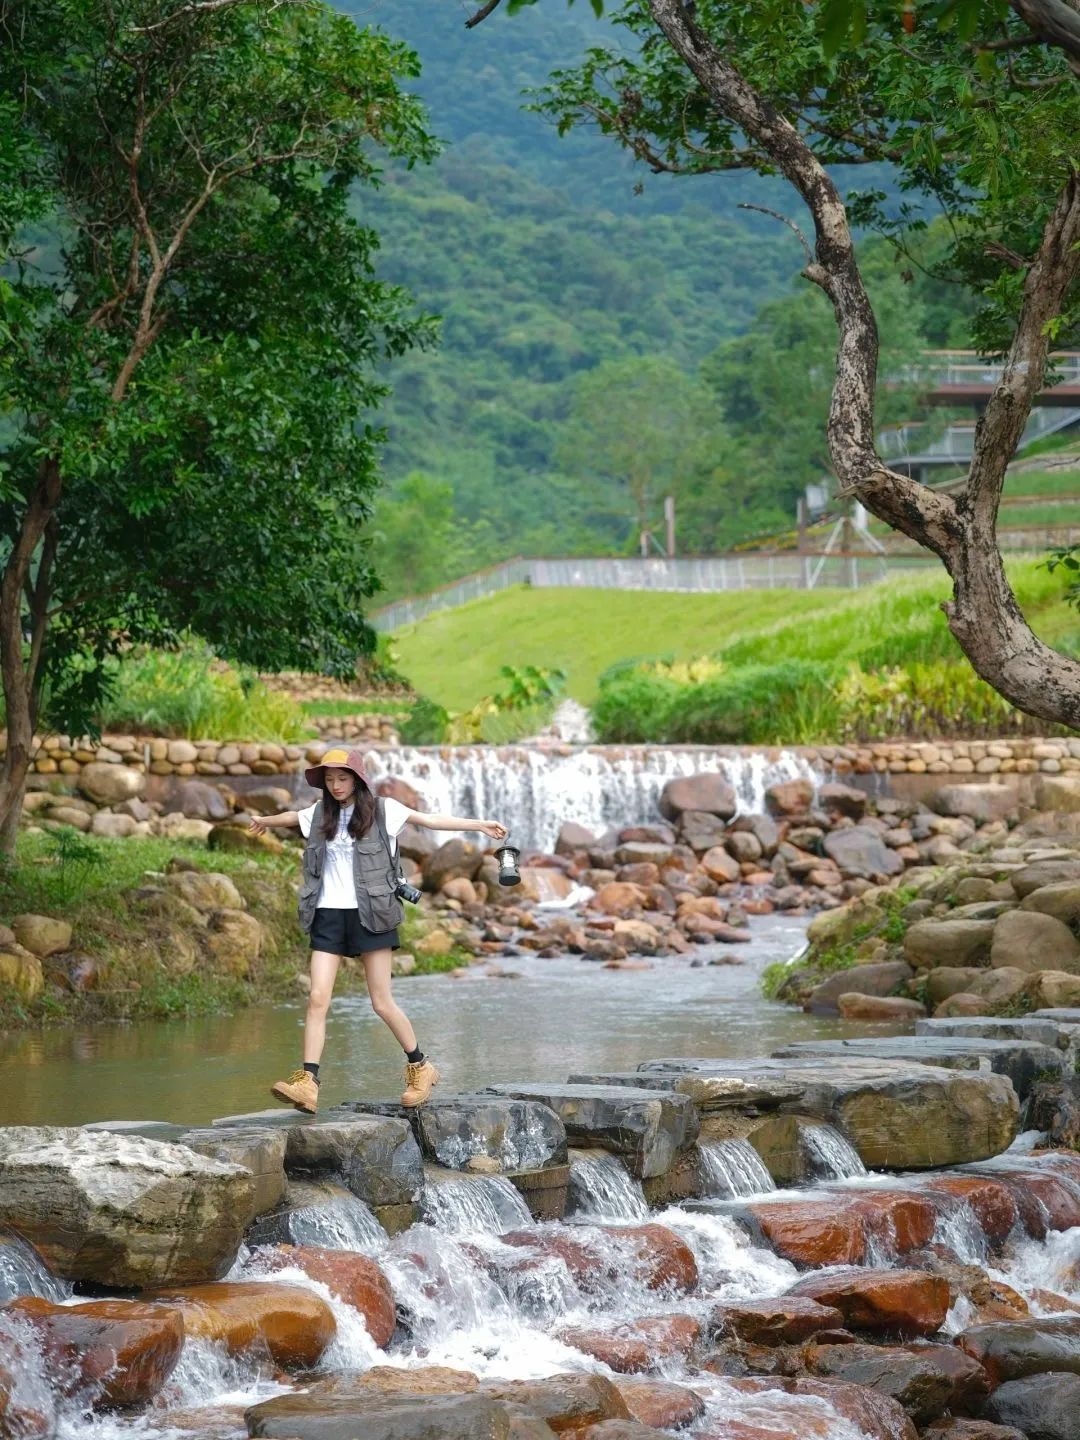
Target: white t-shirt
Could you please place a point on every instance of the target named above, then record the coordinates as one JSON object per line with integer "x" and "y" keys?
{"x": 338, "y": 889}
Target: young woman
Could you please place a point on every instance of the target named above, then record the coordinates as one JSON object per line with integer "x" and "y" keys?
{"x": 348, "y": 906}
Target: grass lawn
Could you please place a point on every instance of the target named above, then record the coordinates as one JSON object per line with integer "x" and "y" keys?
{"x": 454, "y": 656}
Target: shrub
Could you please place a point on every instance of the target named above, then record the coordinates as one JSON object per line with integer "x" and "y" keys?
{"x": 426, "y": 724}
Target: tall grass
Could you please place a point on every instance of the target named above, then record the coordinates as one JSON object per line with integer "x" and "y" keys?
{"x": 189, "y": 693}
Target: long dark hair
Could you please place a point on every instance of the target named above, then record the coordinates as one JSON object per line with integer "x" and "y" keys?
{"x": 363, "y": 815}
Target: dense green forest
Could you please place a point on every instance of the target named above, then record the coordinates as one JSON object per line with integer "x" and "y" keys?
{"x": 563, "y": 272}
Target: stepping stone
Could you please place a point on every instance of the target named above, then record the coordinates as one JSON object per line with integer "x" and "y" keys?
{"x": 736, "y": 1082}
{"x": 452, "y": 1130}
{"x": 1022, "y": 1062}
{"x": 375, "y": 1157}
{"x": 648, "y": 1128}
{"x": 995, "y": 1027}
{"x": 897, "y": 1115}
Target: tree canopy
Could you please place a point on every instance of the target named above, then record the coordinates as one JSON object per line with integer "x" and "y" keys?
{"x": 192, "y": 330}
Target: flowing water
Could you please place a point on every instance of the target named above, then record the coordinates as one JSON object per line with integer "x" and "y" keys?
{"x": 533, "y": 790}
{"x": 834, "y": 1158}
{"x": 602, "y": 1189}
{"x": 732, "y": 1168}
{"x": 552, "y": 1018}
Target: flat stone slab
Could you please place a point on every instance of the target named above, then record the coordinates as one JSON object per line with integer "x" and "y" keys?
{"x": 997, "y": 1027}
{"x": 648, "y": 1128}
{"x": 261, "y": 1151}
{"x": 518, "y": 1133}
{"x": 376, "y": 1157}
{"x": 708, "y": 1092}
{"x": 1020, "y": 1061}
{"x": 898, "y": 1115}
{"x": 1062, "y": 1016}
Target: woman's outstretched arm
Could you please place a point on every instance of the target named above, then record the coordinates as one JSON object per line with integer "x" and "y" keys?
{"x": 493, "y": 828}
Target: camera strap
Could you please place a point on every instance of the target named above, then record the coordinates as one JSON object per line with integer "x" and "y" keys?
{"x": 391, "y": 852}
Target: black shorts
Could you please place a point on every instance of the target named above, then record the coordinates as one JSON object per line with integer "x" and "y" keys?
{"x": 339, "y": 932}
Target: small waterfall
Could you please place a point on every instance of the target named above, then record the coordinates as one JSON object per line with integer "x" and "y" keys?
{"x": 534, "y": 789}
{"x": 601, "y": 1189}
{"x": 732, "y": 1168}
{"x": 484, "y": 1205}
{"x": 833, "y": 1157}
{"x": 531, "y": 1149}
{"x": 343, "y": 1222}
{"x": 23, "y": 1272}
{"x": 958, "y": 1229}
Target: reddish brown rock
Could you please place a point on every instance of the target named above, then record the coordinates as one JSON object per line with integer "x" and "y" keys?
{"x": 789, "y": 1320}
{"x": 354, "y": 1278}
{"x": 601, "y": 1255}
{"x": 835, "y": 1231}
{"x": 720, "y": 866}
{"x": 659, "y": 1258}
{"x": 122, "y": 1349}
{"x": 661, "y": 1403}
{"x": 958, "y": 1427}
{"x": 853, "y": 1006}
{"x": 424, "y": 1380}
{"x": 294, "y": 1324}
{"x": 1046, "y": 1191}
{"x": 618, "y": 898}
{"x": 790, "y": 797}
{"x": 637, "y": 1345}
{"x": 896, "y": 1302}
{"x": 992, "y": 1203}
{"x": 608, "y": 1430}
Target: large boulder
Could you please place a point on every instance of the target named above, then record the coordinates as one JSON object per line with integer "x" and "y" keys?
{"x": 374, "y": 1156}
{"x": 290, "y": 1322}
{"x": 1059, "y": 793}
{"x": 1041, "y": 1407}
{"x": 122, "y": 1212}
{"x": 648, "y": 1129}
{"x": 352, "y": 1277}
{"x": 981, "y": 802}
{"x": 1052, "y": 989}
{"x": 198, "y": 801}
{"x": 633, "y": 1346}
{"x": 1028, "y": 940}
{"x": 346, "y": 1412}
{"x": 1009, "y": 1350}
{"x": 790, "y": 797}
{"x": 1041, "y": 873}
{"x": 788, "y": 1320}
{"x": 1062, "y": 901}
{"x": 205, "y": 890}
{"x": 893, "y": 1302}
{"x": 926, "y": 1379}
{"x": 453, "y": 1130}
{"x": 711, "y": 794}
{"x": 884, "y": 978}
{"x": 897, "y": 1115}
{"x": 21, "y": 971}
{"x": 451, "y": 861}
{"x": 1022, "y": 1062}
{"x": 41, "y": 934}
{"x": 234, "y": 940}
{"x": 837, "y": 1229}
{"x": 108, "y": 784}
{"x": 963, "y": 943}
{"x": 115, "y": 1352}
{"x": 861, "y": 854}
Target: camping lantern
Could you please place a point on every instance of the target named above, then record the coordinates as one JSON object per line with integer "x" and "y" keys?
{"x": 507, "y": 858}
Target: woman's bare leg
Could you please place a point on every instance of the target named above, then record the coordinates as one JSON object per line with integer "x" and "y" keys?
{"x": 324, "y": 970}
{"x": 377, "y": 970}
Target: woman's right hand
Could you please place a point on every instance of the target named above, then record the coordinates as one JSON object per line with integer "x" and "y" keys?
{"x": 256, "y": 826}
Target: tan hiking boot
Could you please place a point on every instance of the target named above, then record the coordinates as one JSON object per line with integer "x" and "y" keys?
{"x": 301, "y": 1090}
{"x": 420, "y": 1080}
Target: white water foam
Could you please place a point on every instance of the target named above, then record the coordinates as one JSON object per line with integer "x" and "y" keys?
{"x": 344, "y": 1222}
{"x": 534, "y": 790}
{"x": 23, "y": 1272}
{"x": 732, "y": 1168}
{"x": 730, "y": 1265}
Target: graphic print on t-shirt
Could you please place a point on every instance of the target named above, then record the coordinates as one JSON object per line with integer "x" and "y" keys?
{"x": 338, "y": 891}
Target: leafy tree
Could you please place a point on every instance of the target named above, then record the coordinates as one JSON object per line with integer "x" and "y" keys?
{"x": 420, "y": 543}
{"x": 187, "y": 364}
{"x": 975, "y": 103}
{"x": 633, "y": 426}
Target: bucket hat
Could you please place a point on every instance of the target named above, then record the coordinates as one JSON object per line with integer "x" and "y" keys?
{"x": 338, "y": 758}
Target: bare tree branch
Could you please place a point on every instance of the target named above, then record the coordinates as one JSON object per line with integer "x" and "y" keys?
{"x": 784, "y": 220}
{"x": 482, "y": 14}
{"x": 1055, "y": 21}
{"x": 207, "y": 7}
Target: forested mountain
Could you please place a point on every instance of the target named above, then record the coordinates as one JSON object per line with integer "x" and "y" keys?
{"x": 547, "y": 258}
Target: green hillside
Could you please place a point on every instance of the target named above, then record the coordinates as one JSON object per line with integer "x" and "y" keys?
{"x": 454, "y": 656}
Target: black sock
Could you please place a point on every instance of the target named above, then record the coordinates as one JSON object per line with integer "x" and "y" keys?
{"x": 415, "y": 1057}
{"x": 312, "y": 1069}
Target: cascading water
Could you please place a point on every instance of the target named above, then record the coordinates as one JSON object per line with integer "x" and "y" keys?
{"x": 342, "y": 1222}
{"x": 486, "y": 1205}
{"x": 732, "y": 1168}
{"x": 533, "y": 790}
{"x": 602, "y": 1189}
{"x": 833, "y": 1157}
{"x": 22, "y": 1272}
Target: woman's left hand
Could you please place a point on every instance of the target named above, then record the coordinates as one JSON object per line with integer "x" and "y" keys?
{"x": 494, "y": 829}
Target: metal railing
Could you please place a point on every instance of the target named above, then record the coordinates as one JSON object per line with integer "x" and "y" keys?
{"x": 704, "y": 575}
{"x": 956, "y": 443}
{"x": 964, "y": 368}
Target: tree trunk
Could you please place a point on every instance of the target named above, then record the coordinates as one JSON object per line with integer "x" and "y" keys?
{"x": 15, "y": 671}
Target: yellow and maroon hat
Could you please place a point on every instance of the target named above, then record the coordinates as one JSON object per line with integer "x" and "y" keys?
{"x": 338, "y": 758}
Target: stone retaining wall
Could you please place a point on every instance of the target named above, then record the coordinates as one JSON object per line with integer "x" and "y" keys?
{"x": 60, "y": 755}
